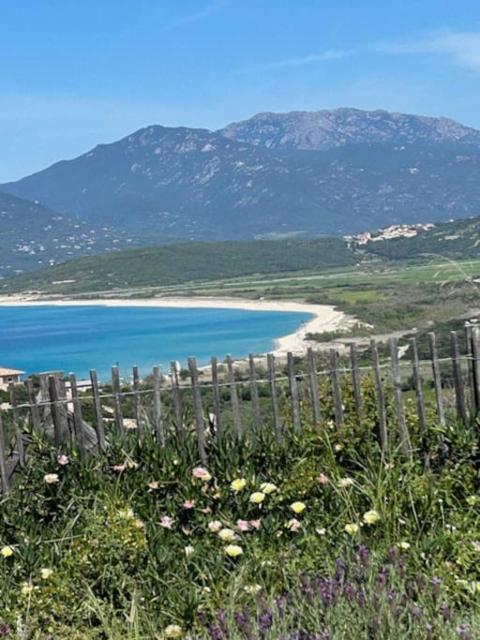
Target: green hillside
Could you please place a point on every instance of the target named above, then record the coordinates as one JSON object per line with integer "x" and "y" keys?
{"x": 175, "y": 264}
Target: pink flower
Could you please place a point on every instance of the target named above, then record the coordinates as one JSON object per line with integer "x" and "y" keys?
{"x": 63, "y": 460}
{"x": 243, "y": 525}
{"x": 323, "y": 479}
{"x": 201, "y": 473}
{"x": 189, "y": 504}
{"x": 293, "y": 524}
{"x": 256, "y": 524}
{"x": 166, "y": 522}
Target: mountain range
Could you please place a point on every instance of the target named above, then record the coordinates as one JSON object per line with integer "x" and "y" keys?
{"x": 297, "y": 174}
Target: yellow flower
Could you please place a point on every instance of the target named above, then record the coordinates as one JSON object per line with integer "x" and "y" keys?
{"x": 51, "y": 478}
{"x": 343, "y": 483}
{"x": 257, "y": 497}
{"x": 173, "y": 631}
{"x": 7, "y": 551}
{"x": 472, "y": 500}
{"x": 253, "y": 588}
{"x": 371, "y": 517}
{"x": 298, "y": 507}
{"x": 404, "y": 545}
{"x": 227, "y": 535}
{"x": 268, "y": 487}
{"x": 238, "y": 484}
{"x": 233, "y": 550}
{"x": 27, "y": 587}
{"x": 138, "y": 524}
{"x": 45, "y": 574}
{"x": 351, "y": 528}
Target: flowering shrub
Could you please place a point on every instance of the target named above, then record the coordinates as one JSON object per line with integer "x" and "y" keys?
{"x": 143, "y": 542}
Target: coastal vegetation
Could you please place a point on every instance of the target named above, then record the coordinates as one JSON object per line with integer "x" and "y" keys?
{"x": 305, "y": 538}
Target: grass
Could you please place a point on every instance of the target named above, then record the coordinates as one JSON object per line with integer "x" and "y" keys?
{"x": 136, "y": 542}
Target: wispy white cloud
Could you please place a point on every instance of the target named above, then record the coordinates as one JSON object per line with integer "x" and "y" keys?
{"x": 463, "y": 47}
{"x": 324, "y": 56}
{"x": 205, "y": 12}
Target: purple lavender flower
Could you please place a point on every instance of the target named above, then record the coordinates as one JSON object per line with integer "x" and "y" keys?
{"x": 436, "y": 583}
{"x": 463, "y": 631}
{"x": 265, "y": 621}
{"x": 445, "y": 611}
{"x": 364, "y": 555}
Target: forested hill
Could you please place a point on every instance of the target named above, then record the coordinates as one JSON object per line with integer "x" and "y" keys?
{"x": 187, "y": 262}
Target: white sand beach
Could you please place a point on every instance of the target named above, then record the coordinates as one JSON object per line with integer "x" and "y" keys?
{"x": 324, "y": 317}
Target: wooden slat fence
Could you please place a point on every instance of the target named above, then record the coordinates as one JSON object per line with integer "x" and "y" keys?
{"x": 251, "y": 399}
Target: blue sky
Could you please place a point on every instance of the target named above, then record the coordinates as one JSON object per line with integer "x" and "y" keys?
{"x": 75, "y": 73}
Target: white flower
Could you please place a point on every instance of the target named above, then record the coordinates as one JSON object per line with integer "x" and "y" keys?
{"x": 189, "y": 550}
{"x": 51, "y": 478}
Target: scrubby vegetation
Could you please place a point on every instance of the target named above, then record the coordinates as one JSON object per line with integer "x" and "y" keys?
{"x": 321, "y": 537}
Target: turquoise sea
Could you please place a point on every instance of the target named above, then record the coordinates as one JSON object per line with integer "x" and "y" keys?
{"x": 46, "y": 338}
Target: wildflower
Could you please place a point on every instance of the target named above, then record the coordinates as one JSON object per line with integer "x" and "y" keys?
{"x": 189, "y": 550}
{"x": 166, "y": 522}
{"x": 243, "y": 525}
{"x": 227, "y": 535}
{"x": 472, "y": 500}
{"x": 173, "y": 631}
{"x": 214, "y": 526}
{"x": 343, "y": 483}
{"x": 255, "y": 524}
{"x": 293, "y": 525}
{"x": 238, "y": 484}
{"x": 119, "y": 467}
{"x": 27, "y": 588}
{"x": 405, "y": 546}
{"x": 371, "y": 517}
{"x": 351, "y": 528}
{"x": 321, "y": 531}
{"x": 153, "y": 485}
{"x": 338, "y": 447}
{"x": 268, "y": 487}
{"x": 463, "y": 631}
{"x": 126, "y": 514}
{"x": 201, "y": 474}
{"x": 7, "y": 551}
{"x": 138, "y": 524}
{"x": 323, "y": 479}
{"x": 189, "y": 504}
{"x": 63, "y": 460}
{"x": 253, "y": 589}
{"x": 51, "y": 478}
{"x": 257, "y": 498}
{"x": 45, "y": 574}
{"x": 476, "y": 545}
{"x": 298, "y": 507}
{"x": 233, "y": 550}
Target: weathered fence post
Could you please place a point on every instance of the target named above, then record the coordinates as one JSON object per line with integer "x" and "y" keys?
{"x": 117, "y": 400}
{"x": 292, "y": 382}
{"x": 17, "y": 425}
{"x": 237, "y": 421}
{"x": 3, "y": 459}
{"x": 357, "y": 388}
{"x": 380, "y": 396}
{"x": 77, "y": 414}
{"x": 159, "y": 427}
{"x": 313, "y": 383}
{"x": 97, "y": 406}
{"x": 470, "y": 367}
{"x": 60, "y": 425}
{"x": 417, "y": 378}
{"x": 476, "y": 364}
{"x": 34, "y": 409}
{"x": 405, "y": 446}
{"x": 137, "y": 398}
{"x": 336, "y": 388}
{"x": 277, "y": 424}
{"x": 257, "y": 421}
{"x": 458, "y": 379}
{"x": 197, "y": 405}
{"x": 177, "y": 400}
{"x": 437, "y": 379}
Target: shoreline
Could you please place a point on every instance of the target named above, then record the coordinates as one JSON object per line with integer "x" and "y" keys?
{"x": 324, "y": 317}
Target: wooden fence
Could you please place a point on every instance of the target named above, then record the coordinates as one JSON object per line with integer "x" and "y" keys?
{"x": 247, "y": 397}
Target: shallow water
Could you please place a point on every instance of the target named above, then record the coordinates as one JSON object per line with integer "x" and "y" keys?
{"x": 46, "y": 338}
